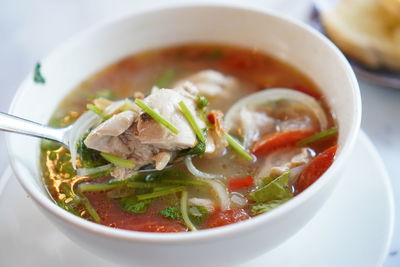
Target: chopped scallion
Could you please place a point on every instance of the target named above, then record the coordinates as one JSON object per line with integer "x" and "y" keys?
{"x": 202, "y": 102}
{"x": 140, "y": 103}
{"x": 189, "y": 117}
{"x": 165, "y": 79}
{"x": 37, "y": 76}
{"x": 117, "y": 161}
{"x": 183, "y": 182}
{"x": 128, "y": 105}
{"x": 184, "y": 211}
{"x": 238, "y": 148}
{"x": 95, "y": 109}
{"x": 90, "y": 209}
{"x": 161, "y": 193}
{"x": 95, "y": 187}
{"x": 318, "y": 136}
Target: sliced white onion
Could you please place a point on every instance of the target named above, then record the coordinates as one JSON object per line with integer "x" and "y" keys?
{"x": 86, "y": 121}
{"x": 221, "y": 192}
{"x": 196, "y": 172}
{"x": 238, "y": 199}
{"x": 266, "y": 95}
{"x": 91, "y": 171}
{"x": 295, "y": 173}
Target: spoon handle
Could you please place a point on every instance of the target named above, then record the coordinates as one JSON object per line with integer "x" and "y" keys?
{"x": 10, "y": 123}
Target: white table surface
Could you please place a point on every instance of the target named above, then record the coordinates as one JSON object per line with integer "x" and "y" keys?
{"x": 30, "y": 29}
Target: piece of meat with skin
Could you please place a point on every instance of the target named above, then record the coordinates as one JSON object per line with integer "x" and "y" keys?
{"x": 211, "y": 83}
{"x": 165, "y": 102}
{"x": 141, "y": 153}
{"x": 105, "y": 137}
{"x": 254, "y": 124}
{"x": 282, "y": 160}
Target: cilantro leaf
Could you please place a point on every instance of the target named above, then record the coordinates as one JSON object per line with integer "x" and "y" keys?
{"x": 132, "y": 205}
{"x": 37, "y": 76}
{"x": 275, "y": 190}
{"x": 199, "y": 149}
{"x": 202, "y": 102}
{"x": 89, "y": 158}
{"x": 198, "y": 214}
{"x": 173, "y": 213}
{"x": 265, "y": 207}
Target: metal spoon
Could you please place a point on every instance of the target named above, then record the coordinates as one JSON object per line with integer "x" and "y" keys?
{"x": 14, "y": 124}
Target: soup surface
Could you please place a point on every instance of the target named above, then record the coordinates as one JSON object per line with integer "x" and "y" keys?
{"x": 138, "y": 173}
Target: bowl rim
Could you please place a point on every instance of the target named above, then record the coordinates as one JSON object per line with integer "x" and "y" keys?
{"x": 215, "y": 233}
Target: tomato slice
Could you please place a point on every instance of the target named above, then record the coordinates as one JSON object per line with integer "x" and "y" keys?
{"x": 315, "y": 169}
{"x": 221, "y": 218}
{"x": 239, "y": 183}
{"x": 271, "y": 142}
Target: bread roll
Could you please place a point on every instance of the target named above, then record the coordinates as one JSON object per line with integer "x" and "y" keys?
{"x": 364, "y": 31}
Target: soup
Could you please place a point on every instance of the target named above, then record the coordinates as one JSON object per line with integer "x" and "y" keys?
{"x": 189, "y": 137}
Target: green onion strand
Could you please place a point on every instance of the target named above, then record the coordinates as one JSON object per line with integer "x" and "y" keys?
{"x": 318, "y": 136}
{"x": 157, "y": 117}
{"x": 190, "y": 118}
{"x": 161, "y": 193}
{"x": 238, "y": 148}
{"x": 117, "y": 161}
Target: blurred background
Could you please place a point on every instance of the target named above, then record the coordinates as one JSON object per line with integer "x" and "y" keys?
{"x": 29, "y": 30}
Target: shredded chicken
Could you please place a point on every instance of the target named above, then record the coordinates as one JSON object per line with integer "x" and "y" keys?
{"x": 254, "y": 124}
{"x": 135, "y": 135}
{"x": 282, "y": 160}
{"x": 105, "y": 137}
{"x": 211, "y": 83}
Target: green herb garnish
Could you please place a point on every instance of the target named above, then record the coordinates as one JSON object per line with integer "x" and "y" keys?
{"x": 198, "y": 214}
{"x": 238, "y": 148}
{"x": 275, "y": 190}
{"x": 171, "y": 213}
{"x": 95, "y": 109}
{"x": 165, "y": 79}
{"x": 216, "y": 54}
{"x": 190, "y": 118}
{"x": 79, "y": 200}
{"x": 38, "y": 77}
{"x": 117, "y": 161}
{"x": 90, "y": 209}
{"x": 202, "y": 102}
{"x": 157, "y": 117}
{"x": 265, "y": 207}
{"x": 105, "y": 94}
{"x": 89, "y": 158}
{"x": 155, "y": 194}
{"x": 132, "y": 205}
{"x": 96, "y": 187}
{"x": 198, "y": 150}
{"x": 318, "y": 136}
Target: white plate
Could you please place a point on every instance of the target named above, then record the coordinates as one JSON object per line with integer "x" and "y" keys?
{"x": 353, "y": 229}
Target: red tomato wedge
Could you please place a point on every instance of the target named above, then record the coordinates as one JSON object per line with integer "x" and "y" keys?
{"x": 221, "y": 218}
{"x": 278, "y": 140}
{"x": 316, "y": 168}
{"x": 239, "y": 183}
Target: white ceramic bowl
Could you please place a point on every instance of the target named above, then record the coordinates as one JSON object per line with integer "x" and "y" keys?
{"x": 89, "y": 52}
